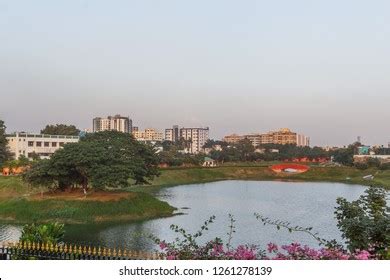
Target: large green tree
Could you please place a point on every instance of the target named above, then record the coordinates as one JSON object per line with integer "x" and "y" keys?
{"x": 4, "y": 153}
{"x": 100, "y": 160}
{"x": 365, "y": 222}
{"x": 60, "y": 129}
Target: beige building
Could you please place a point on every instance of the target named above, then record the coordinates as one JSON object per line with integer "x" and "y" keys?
{"x": 283, "y": 136}
{"x": 233, "y": 139}
{"x": 149, "y": 134}
{"x": 117, "y": 122}
{"x": 40, "y": 144}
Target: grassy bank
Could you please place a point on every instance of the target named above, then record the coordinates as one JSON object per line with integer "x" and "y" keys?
{"x": 350, "y": 175}
{"x": 21, "y": 204}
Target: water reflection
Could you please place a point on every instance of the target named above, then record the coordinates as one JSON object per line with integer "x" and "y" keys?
{"x": 303, "y": 204}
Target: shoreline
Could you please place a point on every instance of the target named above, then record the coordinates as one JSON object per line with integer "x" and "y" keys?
{"x": 17, "y": 205}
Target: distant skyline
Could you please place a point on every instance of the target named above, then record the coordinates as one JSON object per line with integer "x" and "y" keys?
{"x": 320, "y": 68}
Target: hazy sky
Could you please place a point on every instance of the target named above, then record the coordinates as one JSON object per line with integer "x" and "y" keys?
{"x": 321, "y": 68}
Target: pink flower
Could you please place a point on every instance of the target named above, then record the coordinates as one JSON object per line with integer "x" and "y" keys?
{"x": 163, "y": 245}
{"x": 363, "y": 255}
{"x": 272, "y": 247}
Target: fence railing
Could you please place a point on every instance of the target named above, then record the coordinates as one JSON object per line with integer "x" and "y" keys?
{"x": 37, "y": 251}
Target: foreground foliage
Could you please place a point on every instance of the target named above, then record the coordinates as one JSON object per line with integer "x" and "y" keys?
{"x": 364, "y": 225}
{"x": 51, "y": 233}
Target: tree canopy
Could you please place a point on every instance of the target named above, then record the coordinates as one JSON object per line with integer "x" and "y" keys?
{"x": 61, "y": 129}
{"x": 365, "y": 222}
{"x": 4, "y": 153}
{"x": 99, "y": 160}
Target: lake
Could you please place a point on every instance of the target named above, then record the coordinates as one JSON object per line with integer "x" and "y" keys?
{"x": 300, "y": 203}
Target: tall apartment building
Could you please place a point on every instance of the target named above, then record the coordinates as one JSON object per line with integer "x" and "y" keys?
{"x": 117, "y": 122}
{"x": 172, "y": 134}
{"x": 283, "y": 136}
{"x": 148, "y": 134}
{"x": 42, "y": 145}
{"x": 197, "y": 136}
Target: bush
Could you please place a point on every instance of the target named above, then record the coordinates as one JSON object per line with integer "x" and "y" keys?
{"x": 51, "y": 233}
{"x": 385, "y": 166}
{"x": 361, "y": 165}
{"x": 373, "y": 162}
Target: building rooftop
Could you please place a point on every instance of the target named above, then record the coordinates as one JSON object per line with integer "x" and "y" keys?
{"x": 32, "y": 135}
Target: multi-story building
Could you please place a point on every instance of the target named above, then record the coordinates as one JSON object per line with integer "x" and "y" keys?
{"x": 117, "y": 122}
{"x": 233, "y": 139}
{"x": 172, "y": 134}
{"x": 148, "y": 134}
{"x": 283, "y": 136}
{"x": 43, "y": 145}
{"x": 197, "y": 137}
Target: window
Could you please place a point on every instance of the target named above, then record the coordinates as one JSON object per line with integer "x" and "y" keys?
{"x": 31, "y": 143}
{"x": 54, "y": 144}
{"x": 47, "y": 144}
{"x": 61, "y": 144}
{"x": 39, "y": 144}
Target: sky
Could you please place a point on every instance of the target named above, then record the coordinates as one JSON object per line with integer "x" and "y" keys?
{"x": 320, "y": 68}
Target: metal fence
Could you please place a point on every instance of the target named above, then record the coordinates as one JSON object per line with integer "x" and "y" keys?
{"x": 36, "y": 251}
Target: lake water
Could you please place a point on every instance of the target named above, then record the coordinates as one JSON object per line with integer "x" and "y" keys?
{"x": 300, "y": 203}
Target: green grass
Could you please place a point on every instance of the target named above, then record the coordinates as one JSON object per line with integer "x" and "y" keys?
{"x": 16, "y": 204}
{"x": 12, "y": 186}
{"x": 349, "y": 175}
{"x": 141, "y": 206}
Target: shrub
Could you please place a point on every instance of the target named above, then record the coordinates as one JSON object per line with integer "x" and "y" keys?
{"x": 373, "y": 162}
{"x": 385, "y": 166}
{"x": 361, "y": 165}
{"x": 51, "y": 233}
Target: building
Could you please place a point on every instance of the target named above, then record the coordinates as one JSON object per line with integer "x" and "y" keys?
{"x": 149, "y": 134}
{"x": 42, "y": 145}
{"x": 172, "y": 134}
{"x": 302, "y": 140}
{"x": 233, "y": 139}
{"x": 197, "y": 137}
{"x": 283, "y": 136}
{"x": 117, "y": 122}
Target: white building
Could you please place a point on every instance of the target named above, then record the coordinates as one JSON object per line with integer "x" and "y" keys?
{"x": 303, "y": 141}
{"x": 197, "y": 137}
{"x": 41, "y": 144}
{"x": 172, "y": 134}
{"x": 117, "y": 122}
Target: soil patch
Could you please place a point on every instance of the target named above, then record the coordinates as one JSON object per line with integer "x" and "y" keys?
{"x": 101, "y": 196}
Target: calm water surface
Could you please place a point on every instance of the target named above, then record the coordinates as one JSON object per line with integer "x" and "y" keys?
{"x": 303, "y": 204}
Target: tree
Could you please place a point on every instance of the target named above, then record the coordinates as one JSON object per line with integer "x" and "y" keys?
{"x": 60, "y": 129}
{"x": 365, "y": 222}
{"x": 4, "y": 153}
{"x": 99, "y": 160}
{"x": 344, "y": 156}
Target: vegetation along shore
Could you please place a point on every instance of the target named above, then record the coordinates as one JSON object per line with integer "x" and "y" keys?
{"x": 21, "y": 203}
